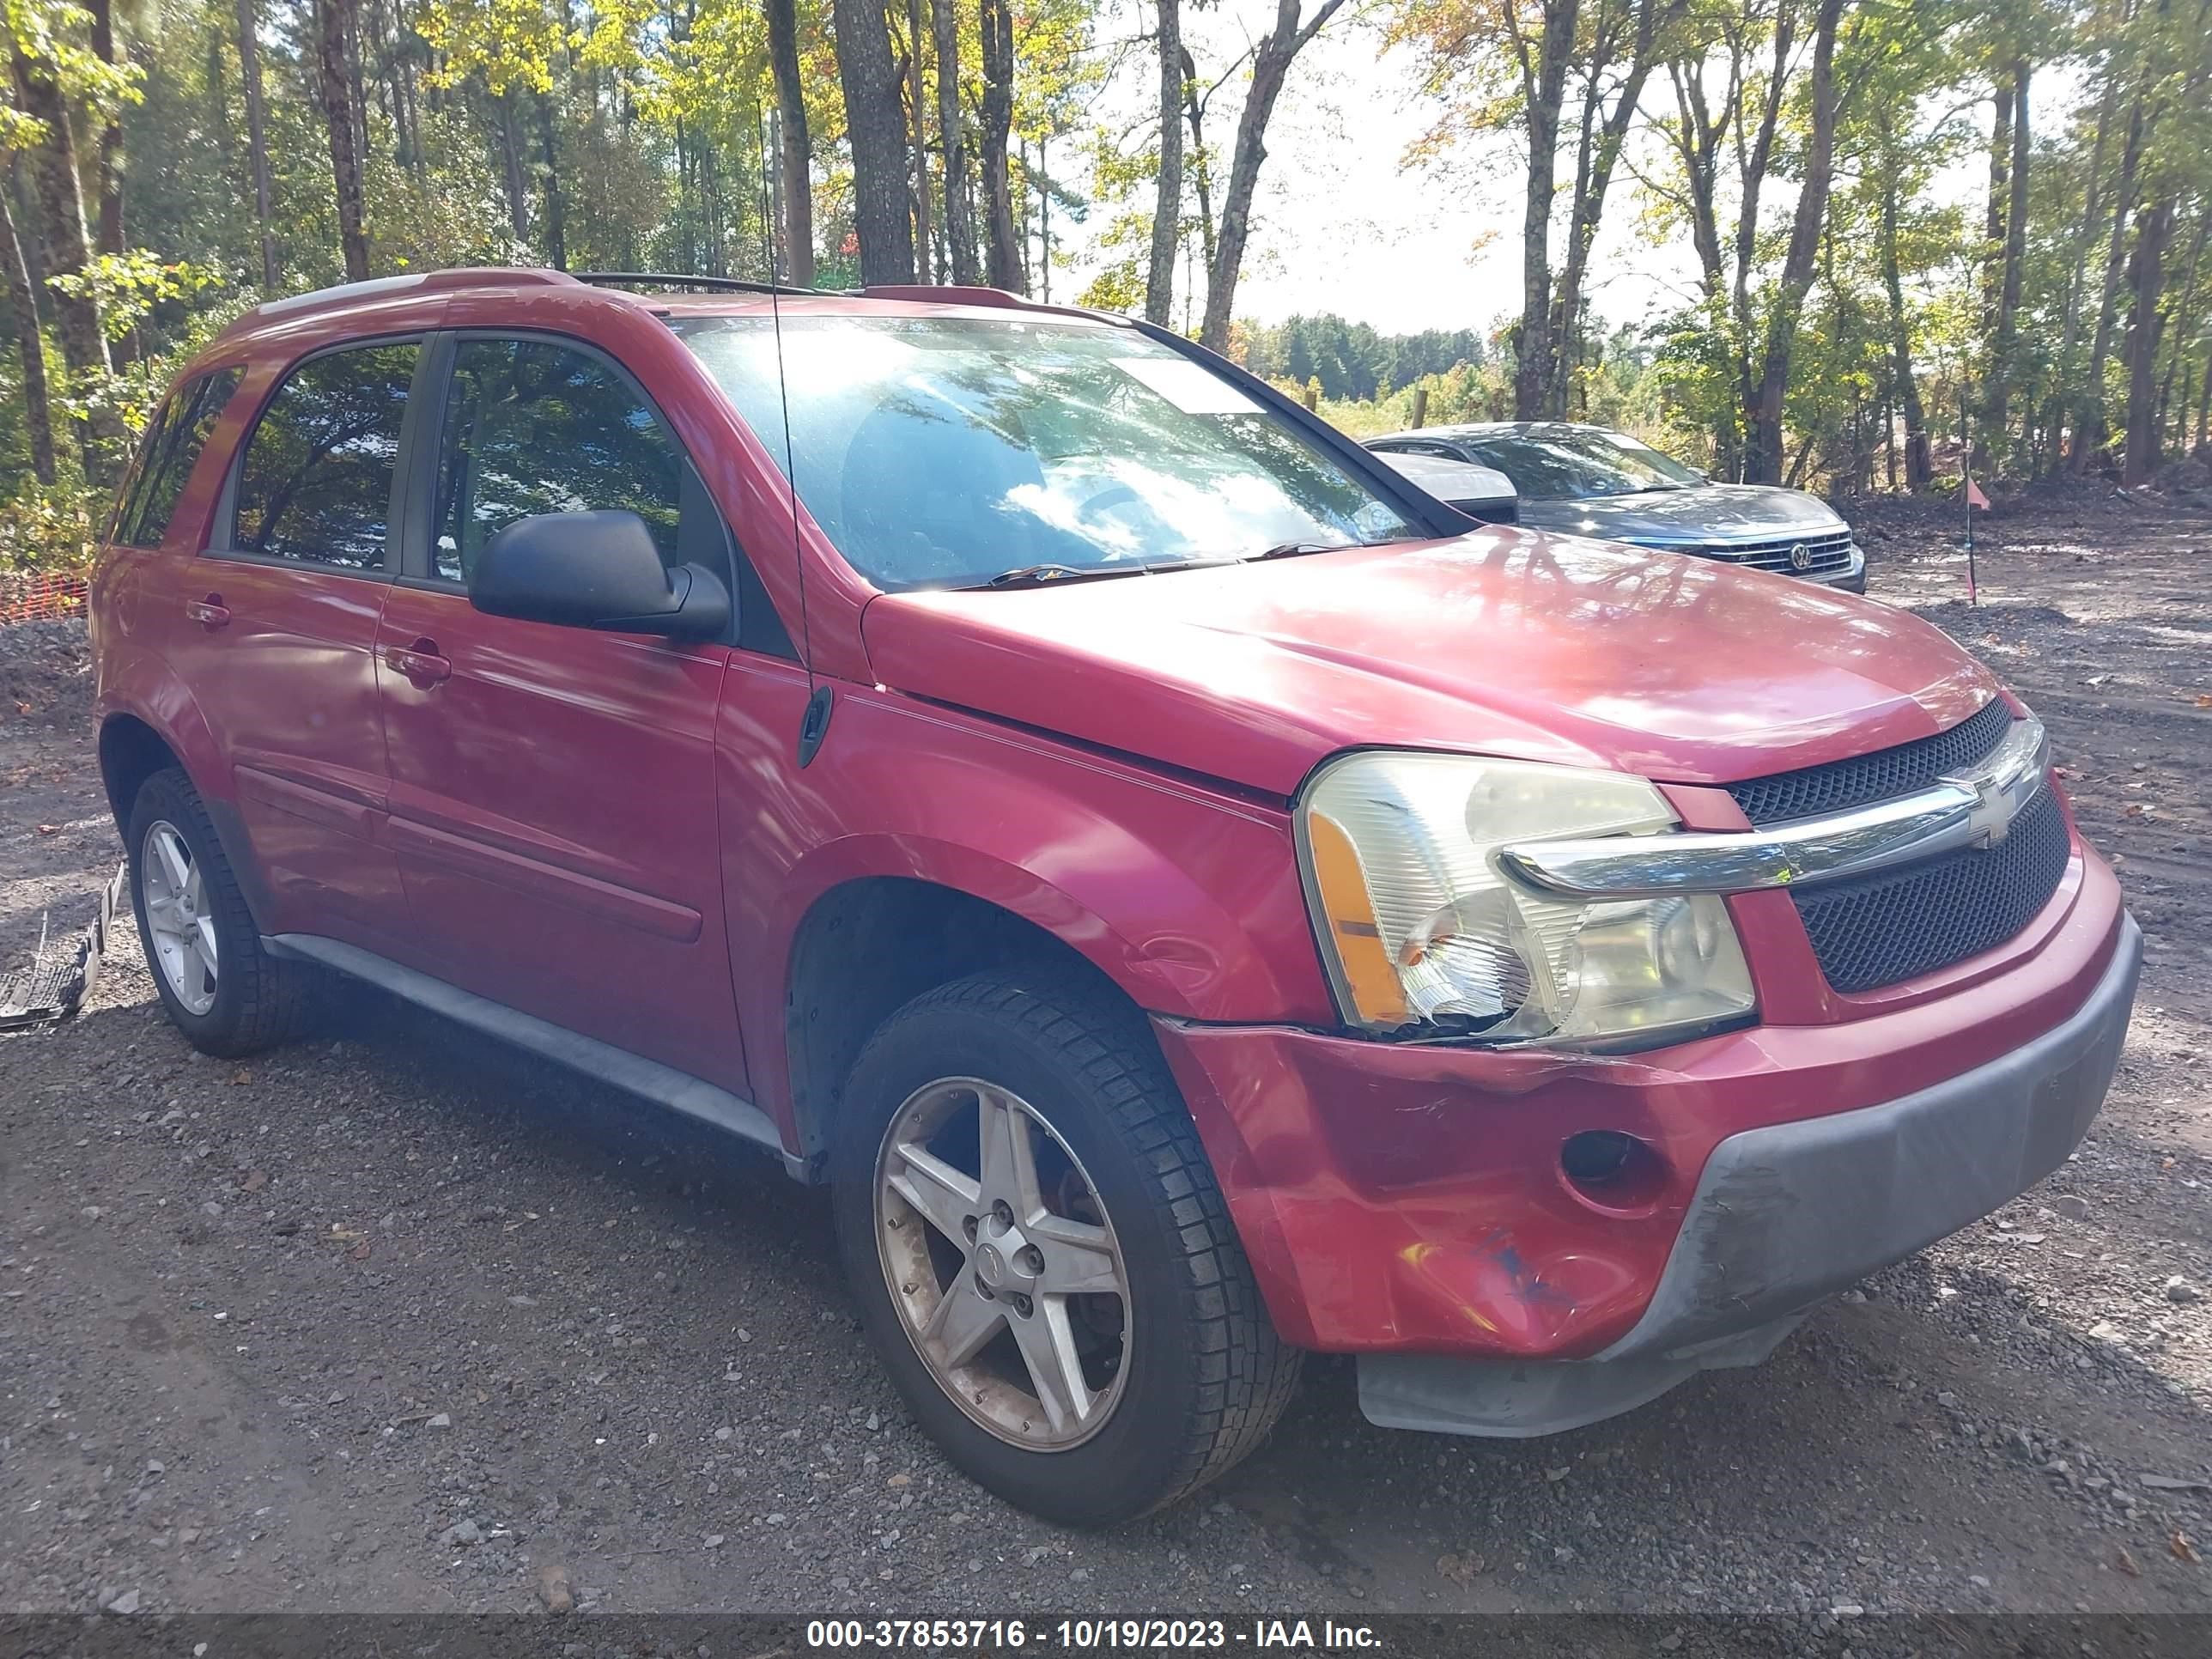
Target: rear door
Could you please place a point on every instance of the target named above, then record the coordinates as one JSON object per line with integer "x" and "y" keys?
{"x": 553, "y": 803}
{"x": 278, "y": 634}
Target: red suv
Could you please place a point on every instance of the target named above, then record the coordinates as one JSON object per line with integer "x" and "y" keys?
{"x": 1194, "y": 898}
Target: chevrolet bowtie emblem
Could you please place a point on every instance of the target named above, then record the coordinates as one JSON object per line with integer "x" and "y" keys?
{"x": 1998, "y": 797}
{"x": 1990, "y": 816}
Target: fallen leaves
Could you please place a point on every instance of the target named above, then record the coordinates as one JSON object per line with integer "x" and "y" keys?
{"x": 2126, "y": 1563}
{"x": 253, "y": 1180}
{"x": 1460, "y": 1569}
{"x": 2181, "y": 1548}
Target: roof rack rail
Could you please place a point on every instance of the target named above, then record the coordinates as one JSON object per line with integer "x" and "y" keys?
{"x": 951, "y": 294}
{"x": 412, "y": 282}
{"x": 671, "y": 279}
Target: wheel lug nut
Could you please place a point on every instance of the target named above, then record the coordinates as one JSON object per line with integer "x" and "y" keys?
{"x": 1022, "y": 1305}
{"x": 1032, "y": 1259}
{"x": 968, "y": 1226}
{"x": 985, "y": 1291}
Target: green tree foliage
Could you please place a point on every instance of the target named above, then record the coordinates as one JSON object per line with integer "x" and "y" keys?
{"x": 164, "y": 165}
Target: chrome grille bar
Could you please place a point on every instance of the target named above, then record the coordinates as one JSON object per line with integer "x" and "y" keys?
{"x": 1972, "y": 807}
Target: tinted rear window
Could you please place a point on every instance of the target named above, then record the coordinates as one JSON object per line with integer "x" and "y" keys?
{"x": 173, "y": 445}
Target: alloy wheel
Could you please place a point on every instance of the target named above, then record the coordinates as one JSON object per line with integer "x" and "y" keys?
{"x": 177, "y": 916}
{"x": 1002, "y": 1262}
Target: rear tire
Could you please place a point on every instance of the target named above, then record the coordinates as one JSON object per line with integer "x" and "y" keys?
{"x": 227, "y": 994}
{"x": 1129, "y": 1199}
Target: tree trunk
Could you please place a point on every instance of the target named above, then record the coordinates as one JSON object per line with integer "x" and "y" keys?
{"x": 2062, "y": 398}
{"x": 2153, "y": 226}
{"x": 959, "y": 220}
{"x": 1201, "y": 177}
{"x": 1996, "y": 420}
{"x": 1544, "y": 85}
{"x": 1698, "y": 139}
{"x": 1919, "y": 470}
{"x": 1993, "y": 220}
{"x": 1751, "y": 169}
{"x": 2089, "y": 411}
{"x": 1167, "y": 205}
{"x": 2176, "y": 327}
{"x": 257, "y": 142}
{"x": 1593, "y": 176}
{"x": 925, "y": 231}
{"x": 1002, "y": 237}
{"x": 797, "y": 150}
{"x": 1270, "y": 64}
{"x": 1044, "y": 224}
{"x": 875, "y": 122}
{"x": 513, "y": 178}
{"x": 56, "y": 185}
{"x": 2205, "y": 405}
{"x": 334, "y": 22}
{"x": 1764, "y": 463}
{"x": 556, "y": 215}
{"x": 108, "y": 236}
{"x": 22, "y": 303}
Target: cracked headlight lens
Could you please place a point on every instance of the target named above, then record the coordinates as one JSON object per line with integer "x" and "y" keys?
{"x": 1425, "y": 935}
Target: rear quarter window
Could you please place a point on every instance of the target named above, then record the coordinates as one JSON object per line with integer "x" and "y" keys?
{"x": 174, "y": 438}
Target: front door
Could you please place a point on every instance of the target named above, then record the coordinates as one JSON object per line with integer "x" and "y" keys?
{"x": 553, "y": 806}
{"x": 278, "y": 634}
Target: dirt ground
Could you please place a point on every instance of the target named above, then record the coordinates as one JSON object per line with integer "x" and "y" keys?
{"x": 398, "y": 1320}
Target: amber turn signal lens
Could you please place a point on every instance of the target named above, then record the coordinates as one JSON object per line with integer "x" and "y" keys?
{"x": 1349, "y": 914}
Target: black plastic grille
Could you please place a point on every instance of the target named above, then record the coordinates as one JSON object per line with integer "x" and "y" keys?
{"x": 1841, "y": 785}
{"x": 1882, "y": 928}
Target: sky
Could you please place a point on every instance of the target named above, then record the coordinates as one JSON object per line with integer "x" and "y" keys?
{"x": 1344, "y": 225}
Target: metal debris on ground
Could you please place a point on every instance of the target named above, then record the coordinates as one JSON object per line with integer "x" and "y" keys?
{"x": 55, "y": 982}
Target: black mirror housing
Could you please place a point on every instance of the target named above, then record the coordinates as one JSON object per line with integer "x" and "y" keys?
{"x": 596, "y": 570}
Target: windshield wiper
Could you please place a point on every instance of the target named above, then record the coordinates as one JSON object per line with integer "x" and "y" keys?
{"x": 1035, "y": 575}
{"x": 1043, "y": 575}
{"x": 1292, "y": 549}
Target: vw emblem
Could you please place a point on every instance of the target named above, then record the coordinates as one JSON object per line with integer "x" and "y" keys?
{"x": 1801, "y": 556}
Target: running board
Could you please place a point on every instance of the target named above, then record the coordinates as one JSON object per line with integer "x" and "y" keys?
{"x": 634, "y": 1074}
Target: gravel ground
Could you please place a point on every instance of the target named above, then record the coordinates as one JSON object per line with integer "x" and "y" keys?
{"x": 396, "y": 1320}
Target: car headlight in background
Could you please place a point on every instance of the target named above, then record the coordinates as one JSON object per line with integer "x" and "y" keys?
{"x": 1423, "y": 935}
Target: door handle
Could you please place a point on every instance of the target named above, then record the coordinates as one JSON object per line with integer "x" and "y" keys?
{"x": 210, "y": 613}
{"x": 419, "y": 663}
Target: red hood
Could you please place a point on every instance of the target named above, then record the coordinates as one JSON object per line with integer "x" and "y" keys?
{"x": 1503, "y": 642}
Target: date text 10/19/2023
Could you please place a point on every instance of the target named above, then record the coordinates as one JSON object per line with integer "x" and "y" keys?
{"x": 1085, "y": 1634}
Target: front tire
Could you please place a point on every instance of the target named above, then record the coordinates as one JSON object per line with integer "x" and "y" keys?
{"x": 1041, "y": 1255}
{"x": 227, "y": 994}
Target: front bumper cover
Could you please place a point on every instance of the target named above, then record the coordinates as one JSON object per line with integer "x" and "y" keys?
{"x": 1789, "y": 1214}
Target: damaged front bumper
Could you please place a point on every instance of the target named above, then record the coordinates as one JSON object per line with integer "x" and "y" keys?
{"x": 1789, "y": 1214}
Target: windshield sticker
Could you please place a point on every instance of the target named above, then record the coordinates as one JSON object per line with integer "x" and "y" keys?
{"x": 1191, "y": 387}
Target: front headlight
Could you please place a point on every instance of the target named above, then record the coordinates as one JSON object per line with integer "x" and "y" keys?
{"x": 1425, "y": 935}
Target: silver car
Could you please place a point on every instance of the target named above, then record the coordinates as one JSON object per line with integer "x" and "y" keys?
{"x": 1588, "y": 480}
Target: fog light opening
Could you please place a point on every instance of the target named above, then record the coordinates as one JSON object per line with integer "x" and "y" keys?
{"x": 1612, "y": 1171}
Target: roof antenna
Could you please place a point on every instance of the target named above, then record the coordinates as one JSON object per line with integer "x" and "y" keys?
{"x": 814, "y": 724}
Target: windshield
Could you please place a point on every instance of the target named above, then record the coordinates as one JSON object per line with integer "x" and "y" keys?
{"x": 1564, "y": 464}
{"x": 940, "y": 451}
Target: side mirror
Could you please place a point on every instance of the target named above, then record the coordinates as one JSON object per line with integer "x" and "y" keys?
{"x": 595, "y": 570}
